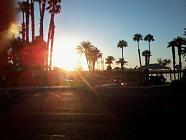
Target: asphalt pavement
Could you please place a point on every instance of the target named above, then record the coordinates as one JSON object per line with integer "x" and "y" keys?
{"x": 103, "y": 113}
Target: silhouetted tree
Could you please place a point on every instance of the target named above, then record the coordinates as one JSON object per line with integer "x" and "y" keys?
{"x": 32, "y": 18}
{"x": 180, "y": 42}
{"x": 172, "y": 44}
{"x": 184, "y": 52}
{"x": 94, "y": 54}
{"x": 84, "y": 48}
{"x": 137, "y": 37}
{"x": 121, "y": 44}
{"x": 109, "y": 61}
{"x": 121, "y": 61}
{"x": 147, "y": 55}
{"x": 109, "y": 68}
{"x": 53, "y": 8}
{"x": 164, "y": 62}
{"x": 27, "y": 11}
{"x": 42, "y": 7}
{"x": 149, "y": 38}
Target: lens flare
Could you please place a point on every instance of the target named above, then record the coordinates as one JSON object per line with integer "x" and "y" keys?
{"x": 13, "y": 30}
{"x": 7, "y": 35}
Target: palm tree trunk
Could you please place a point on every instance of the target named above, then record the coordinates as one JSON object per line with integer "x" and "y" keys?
{"x": 27, "y": 22}
{"x": 41, "y": 28}
{"x": 139, "y": 54}
{"x": 174, "y": 62}
{"x": 122, "y": 60}
{"x": 88, "y": 61}
{"x": 48, "y": 43}
{"x": 149, "y": 55}
{"x": 52, "y": 40}
{"x": 180, "y": 63}
{"x": 23, "y": 28}
{"x": 33, "y": 20}
{"x": 51, "y": 51}
{"x": 42, "y": 8}
{"x": 93, "y": 67}
{"x": 146, "y": 60}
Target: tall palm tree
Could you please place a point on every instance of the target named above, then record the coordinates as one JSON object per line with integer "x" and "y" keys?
{"x": 137, "y": 37}
{"x": 32, "y": 19}
{"x": 22, "y": 8}
{"x": 147, "y": 55}
{"x": 27, "y": 13}
{"x": 149, "y": 38}
{"x": 172, "y": 44}
{"x": 42, "y": 7}
{"x": 53, "y": 8}
{"x": 121, "y": 44}
{"x": 180, "y": 42}
{"x": 84, "y": 48}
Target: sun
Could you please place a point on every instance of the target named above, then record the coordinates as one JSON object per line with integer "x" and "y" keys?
{"x": 65, "y": 56}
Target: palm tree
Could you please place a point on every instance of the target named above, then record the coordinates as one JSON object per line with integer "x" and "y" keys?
{"x": 22, "y": 8}
{"x": 27, "y": 13}
{"x": 184, "y": 32}
{"x": 121, "y": 61}
{"x": 147, "y": 55}
{"x": 180, "y": 42}
{"x": 164, "y": 62}
{"x": 53, "y": 8}
{"x": 160, "y": 61}
{"x": 32, "y": 19}
{"x": 94, "y": 54}
{"x": 184, "y": 53}
{"x": 42, "y": 7}
{"x": 121, "y": 44}
{"x": 172, "y": 44}
{"x": 137, "y": 37}
{"x": 149, "y": 38}
{"x": 109, "y": 61}
{"x": 84, "y": 48}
